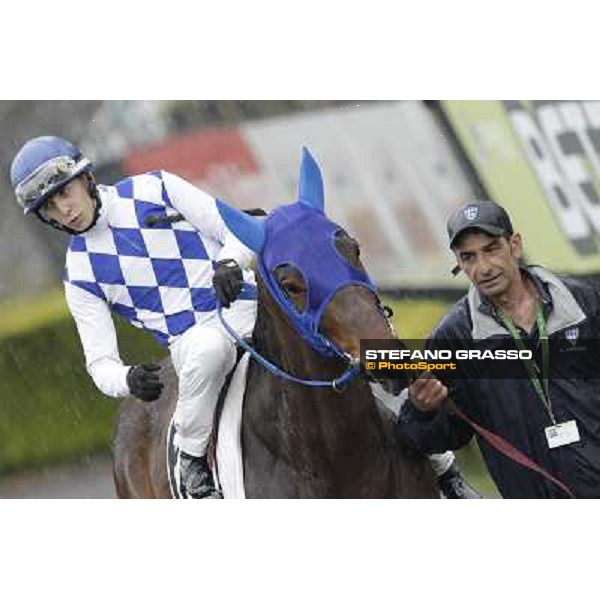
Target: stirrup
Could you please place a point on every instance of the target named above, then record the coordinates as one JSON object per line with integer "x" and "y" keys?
{"x": 196, "y": 480}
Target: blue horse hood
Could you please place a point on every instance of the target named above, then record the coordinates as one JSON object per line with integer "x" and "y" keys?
{"x": 303, "y": 237}
{"x": 300, "y": 235}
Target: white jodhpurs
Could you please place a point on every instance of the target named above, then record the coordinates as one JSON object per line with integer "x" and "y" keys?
{"x": 440, "y": 463}
{"x": 202, "y": 357}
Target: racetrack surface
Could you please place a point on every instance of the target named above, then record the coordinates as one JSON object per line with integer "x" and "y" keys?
{"x": 90, "y": 478}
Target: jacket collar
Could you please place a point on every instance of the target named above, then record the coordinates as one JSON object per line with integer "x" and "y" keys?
{"x": 563, "y": 311}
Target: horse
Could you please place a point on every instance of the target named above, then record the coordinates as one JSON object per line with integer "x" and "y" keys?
{"x": 311, "y": 426}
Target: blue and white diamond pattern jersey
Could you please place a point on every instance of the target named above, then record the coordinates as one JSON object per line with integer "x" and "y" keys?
{"x": 158, "y": 276}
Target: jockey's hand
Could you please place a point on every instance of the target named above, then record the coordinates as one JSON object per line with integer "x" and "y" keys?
{"x": 144, "y": 382}
{"x": 427, "y": 393}
{"x": 227, "y": 281}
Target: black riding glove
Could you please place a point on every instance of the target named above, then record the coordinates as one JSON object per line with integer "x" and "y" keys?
{"x": 227, "y": 281}
{"x": 144, "y": 382}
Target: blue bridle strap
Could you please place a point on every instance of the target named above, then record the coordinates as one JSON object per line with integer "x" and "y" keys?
{"x": 338, "y": 384}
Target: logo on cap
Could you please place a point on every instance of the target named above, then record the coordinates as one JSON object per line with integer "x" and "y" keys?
{"x": 572, "y": 335}
{"x": 471, "y": 212}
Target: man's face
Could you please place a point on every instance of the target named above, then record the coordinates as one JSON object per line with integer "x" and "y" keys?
{"x": 491, "y": 263}
{"x": 72, "y": 206}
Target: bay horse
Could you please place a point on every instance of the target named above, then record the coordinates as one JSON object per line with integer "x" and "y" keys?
{"x": 310, "y": 427}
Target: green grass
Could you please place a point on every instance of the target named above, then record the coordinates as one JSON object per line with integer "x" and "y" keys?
{"x": 414, "y": 319}
{"x": 20, "y": 316}
{"x": 50, "y": 410}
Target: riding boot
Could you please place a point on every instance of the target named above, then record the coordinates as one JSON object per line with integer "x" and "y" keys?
{"x": 454, "y": 487}
{"x": 196, "y": 478}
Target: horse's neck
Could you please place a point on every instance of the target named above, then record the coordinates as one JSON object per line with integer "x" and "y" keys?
{"x": 317, "y": 411}
{"x": 310, "y": 442}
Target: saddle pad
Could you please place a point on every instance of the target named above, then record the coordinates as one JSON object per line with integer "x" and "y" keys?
{"x": 229, "y": 461}
{"x": 229, "y": 469}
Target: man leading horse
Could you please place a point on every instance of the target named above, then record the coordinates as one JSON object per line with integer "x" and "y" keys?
{"x": 154, "y": 249}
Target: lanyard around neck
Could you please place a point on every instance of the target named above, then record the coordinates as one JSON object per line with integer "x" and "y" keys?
{"x": 541, "y": 387}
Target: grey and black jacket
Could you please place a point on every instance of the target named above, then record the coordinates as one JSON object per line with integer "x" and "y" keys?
{"x": 510, "y": 407}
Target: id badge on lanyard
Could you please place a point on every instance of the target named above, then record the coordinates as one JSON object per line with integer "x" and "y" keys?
{"x": 562, "y": 434}
{"x": 557, "y": 434}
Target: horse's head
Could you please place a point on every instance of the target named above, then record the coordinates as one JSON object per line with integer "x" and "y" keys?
{"x": 311, "y": 266}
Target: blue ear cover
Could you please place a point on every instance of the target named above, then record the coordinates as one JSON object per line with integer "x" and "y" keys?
{"x": 310, "y": 189}
{"x": 250, "y": 230}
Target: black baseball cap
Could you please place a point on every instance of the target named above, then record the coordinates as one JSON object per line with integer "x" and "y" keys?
{"x": 480, "y": 214}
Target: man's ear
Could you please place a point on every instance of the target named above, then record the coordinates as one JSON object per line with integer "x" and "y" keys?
{"x": 457, "y": 268}
{"x": 516, "y": 245}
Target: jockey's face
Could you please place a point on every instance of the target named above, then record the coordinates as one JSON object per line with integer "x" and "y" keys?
{"x": 72, "y": 206}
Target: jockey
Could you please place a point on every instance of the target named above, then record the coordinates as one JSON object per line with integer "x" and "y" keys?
{"x": 154, "y": 249}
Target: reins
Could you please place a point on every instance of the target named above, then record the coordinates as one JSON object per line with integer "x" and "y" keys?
{"x": 508, "y": 450}
{"x": 339, "y": 384}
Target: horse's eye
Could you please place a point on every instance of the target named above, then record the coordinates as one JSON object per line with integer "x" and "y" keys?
{"x": 291, "y": 288}
{"x": 353, "y": 253}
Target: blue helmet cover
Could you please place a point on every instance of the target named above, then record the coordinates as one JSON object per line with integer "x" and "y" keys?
{"x": 61, "y": 160}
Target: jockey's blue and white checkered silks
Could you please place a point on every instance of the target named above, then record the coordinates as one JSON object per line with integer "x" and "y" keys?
{"x": 158, "y": 275}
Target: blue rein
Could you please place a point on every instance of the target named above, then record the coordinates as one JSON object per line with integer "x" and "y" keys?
{"x": 338, "y": 384}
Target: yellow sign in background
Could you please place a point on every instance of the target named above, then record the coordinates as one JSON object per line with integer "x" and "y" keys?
{"x": 541, "y": 161}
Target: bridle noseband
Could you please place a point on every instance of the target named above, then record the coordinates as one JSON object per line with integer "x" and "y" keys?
{"x": 339, "y": 384}
{"x": 353, "y": 366}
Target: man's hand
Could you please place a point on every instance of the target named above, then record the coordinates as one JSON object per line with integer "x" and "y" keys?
{"x": 227, "y": 281}
{"x": 427, "y": 393}
{"x": 144, "y": 382}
